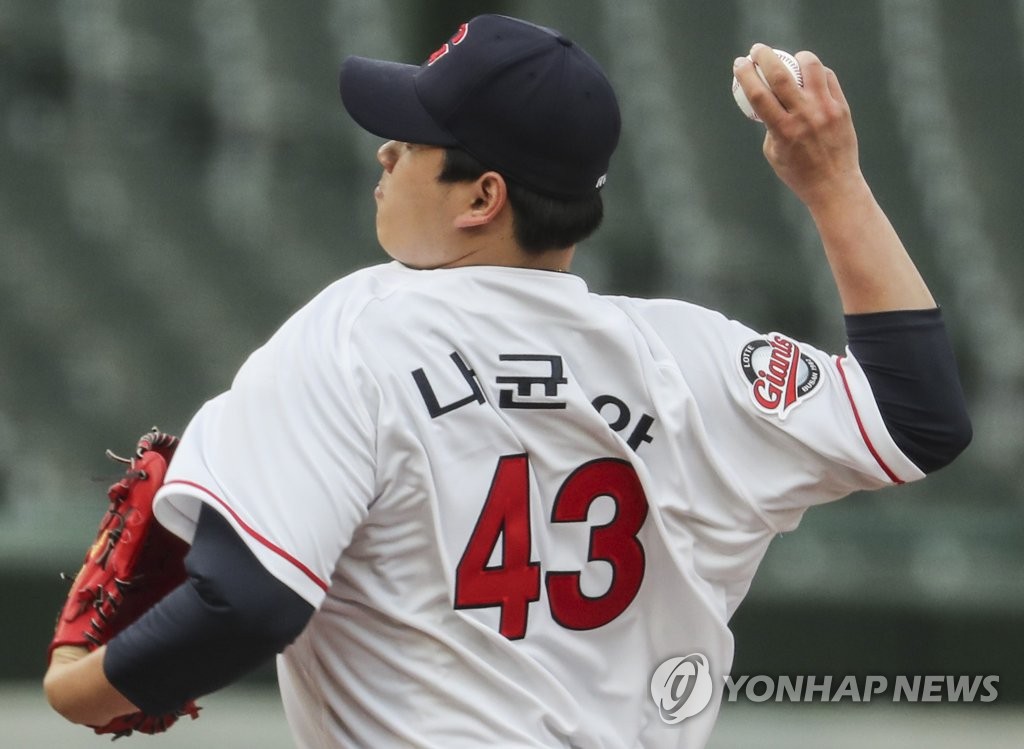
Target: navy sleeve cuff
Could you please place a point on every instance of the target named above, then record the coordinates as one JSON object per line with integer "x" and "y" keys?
{"x": 908, "y": 360}
{"x": 229, "y": 617}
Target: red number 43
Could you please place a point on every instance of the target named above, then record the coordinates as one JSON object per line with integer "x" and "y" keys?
{"x": 515, "y": 583}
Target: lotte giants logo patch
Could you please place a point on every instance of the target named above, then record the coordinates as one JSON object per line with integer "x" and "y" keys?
{"x": 780, "y": 375}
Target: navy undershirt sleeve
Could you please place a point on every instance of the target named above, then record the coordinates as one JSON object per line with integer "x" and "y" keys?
{"x": 229, "y": 617}
{"x": 908, "y": 360}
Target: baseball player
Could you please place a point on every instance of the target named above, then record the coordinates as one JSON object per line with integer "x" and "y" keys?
{"x": 471, "y": 503}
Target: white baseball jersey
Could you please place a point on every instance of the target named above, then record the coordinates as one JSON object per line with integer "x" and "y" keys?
{"x": 512, "y": 500}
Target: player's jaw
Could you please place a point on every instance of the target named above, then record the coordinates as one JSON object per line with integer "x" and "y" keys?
{"x": 415, "y": 210}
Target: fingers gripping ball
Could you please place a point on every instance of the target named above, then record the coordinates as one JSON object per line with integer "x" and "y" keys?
{"x": 741, "y": 98}
{"x": 132, "y": 564}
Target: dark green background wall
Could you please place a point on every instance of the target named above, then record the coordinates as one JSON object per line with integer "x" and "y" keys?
{"x": 176, "y": 178}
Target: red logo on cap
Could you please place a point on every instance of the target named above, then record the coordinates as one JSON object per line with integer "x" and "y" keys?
{"x": 447, "y": 46}
{"x": 460, "y": 34}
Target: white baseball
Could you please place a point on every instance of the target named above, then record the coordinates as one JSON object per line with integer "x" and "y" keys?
{"x": 741, "y": 98}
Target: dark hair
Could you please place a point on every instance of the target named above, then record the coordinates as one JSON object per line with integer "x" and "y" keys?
{"x": 540, "y": 222}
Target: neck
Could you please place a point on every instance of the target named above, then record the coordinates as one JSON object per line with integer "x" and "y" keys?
{"x": 556, "y": 260}
{"x": 511, "y": 255}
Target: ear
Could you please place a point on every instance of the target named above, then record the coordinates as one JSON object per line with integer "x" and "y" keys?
{"x": 488, "y": 196}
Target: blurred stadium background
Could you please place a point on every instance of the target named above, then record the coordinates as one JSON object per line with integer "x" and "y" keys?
{"x": 177, "y": 178}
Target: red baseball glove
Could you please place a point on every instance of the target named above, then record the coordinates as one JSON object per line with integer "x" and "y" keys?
{"x": 133, "y": 563}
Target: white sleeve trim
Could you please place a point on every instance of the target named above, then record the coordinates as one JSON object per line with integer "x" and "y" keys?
{"x": 896, "y": 466}
{"x": 181, "y": 517}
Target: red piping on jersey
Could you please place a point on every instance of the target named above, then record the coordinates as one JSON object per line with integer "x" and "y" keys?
{"x": 860, "y": 425}
{"x": 252, "y": 532}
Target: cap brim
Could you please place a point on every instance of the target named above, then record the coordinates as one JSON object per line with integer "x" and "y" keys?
{"x": 381, "y": 97}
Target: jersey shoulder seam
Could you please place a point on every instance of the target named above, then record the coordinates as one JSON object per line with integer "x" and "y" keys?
{"x": 621, "y": 303}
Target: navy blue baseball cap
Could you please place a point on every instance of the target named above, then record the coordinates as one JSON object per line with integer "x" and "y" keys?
{"x": 523, "y": 99}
